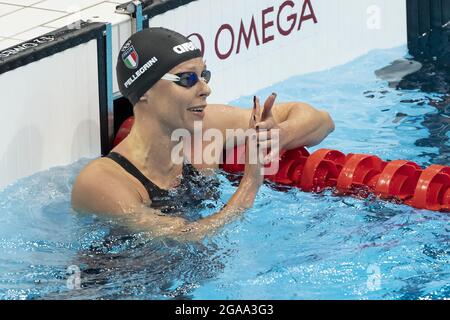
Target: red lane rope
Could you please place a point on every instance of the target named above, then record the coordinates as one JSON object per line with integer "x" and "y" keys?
{"x": 359, "y": 174}
{"x": 351, "y": 174}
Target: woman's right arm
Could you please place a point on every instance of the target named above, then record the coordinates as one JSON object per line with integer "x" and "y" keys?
{"x": 148, "y": 219}
{"x": 109, "y": 195}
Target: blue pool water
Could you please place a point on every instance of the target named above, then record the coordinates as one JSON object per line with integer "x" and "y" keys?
{"x": 291, "y": 245}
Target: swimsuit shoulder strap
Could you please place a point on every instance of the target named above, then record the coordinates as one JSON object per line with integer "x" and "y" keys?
{"x": 152, "y": 189}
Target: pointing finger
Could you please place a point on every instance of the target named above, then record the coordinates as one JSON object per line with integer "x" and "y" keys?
{"x": 267, "y": 111}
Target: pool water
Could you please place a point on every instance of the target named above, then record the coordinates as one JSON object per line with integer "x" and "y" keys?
{"x": 291, "y": 245}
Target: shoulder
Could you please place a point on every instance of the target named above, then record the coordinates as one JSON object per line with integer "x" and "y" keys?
{"x": 101, "y": 187}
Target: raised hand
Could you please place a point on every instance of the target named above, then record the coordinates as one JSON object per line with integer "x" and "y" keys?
{"x": 268, "y": 129}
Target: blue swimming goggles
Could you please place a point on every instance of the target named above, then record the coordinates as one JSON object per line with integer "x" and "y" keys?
{"x": 188, "y": 79}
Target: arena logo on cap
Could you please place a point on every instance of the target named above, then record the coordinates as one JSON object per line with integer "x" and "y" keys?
{"x": 184, "y": 47}
{"x": 129, "y": 56}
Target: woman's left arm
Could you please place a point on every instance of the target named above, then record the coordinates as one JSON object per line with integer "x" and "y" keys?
{"x": 299, "y": 123}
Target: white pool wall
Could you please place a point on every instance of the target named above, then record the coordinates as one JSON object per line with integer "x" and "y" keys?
{"x": 343, "y": 30}
{"x": 49, "y": 112}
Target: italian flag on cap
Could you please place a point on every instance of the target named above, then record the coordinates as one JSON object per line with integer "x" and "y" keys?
{"x": 131, "y": 61}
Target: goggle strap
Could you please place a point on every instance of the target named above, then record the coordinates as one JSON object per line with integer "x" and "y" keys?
{"x": 170, "y": 77}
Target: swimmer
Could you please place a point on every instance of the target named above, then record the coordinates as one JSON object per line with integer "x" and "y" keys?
{"x": 165, "y": 78}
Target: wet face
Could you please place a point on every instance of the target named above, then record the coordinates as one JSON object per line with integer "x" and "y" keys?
{"x": 177, "y": 106}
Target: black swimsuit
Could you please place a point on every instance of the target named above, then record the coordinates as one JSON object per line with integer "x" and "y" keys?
{"x": 184, "y": 200}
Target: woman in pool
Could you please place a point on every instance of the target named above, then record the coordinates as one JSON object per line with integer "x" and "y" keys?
{"x": 164, "y": 76}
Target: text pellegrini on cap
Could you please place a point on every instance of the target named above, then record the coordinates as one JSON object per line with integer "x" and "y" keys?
{"x": 140, "y": 72}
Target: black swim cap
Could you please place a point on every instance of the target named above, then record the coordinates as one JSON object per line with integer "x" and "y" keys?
{"x": 147, "y": 55}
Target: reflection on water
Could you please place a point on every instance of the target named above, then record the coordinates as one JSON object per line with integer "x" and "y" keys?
{"x": 433, "y": 78}
{"x": 428, "y": 77}
{"x": 126, "y": 265}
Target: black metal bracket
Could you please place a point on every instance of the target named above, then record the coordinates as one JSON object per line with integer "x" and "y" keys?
{"x": 429, "y": 30}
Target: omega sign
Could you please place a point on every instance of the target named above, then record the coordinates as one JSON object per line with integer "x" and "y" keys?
{"x": 276, "y": 21}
